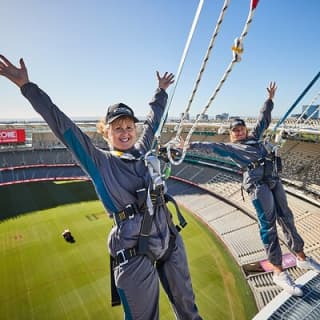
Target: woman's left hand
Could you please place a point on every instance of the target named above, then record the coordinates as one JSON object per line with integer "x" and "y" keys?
{"x": 166, "y": 80}
{"x": 272, "y": 90}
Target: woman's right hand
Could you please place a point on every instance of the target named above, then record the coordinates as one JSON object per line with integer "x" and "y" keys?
{"x": 19, "y": 76}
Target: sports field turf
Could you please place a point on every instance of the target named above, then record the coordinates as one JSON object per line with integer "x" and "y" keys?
{"x": 44, "y": 277}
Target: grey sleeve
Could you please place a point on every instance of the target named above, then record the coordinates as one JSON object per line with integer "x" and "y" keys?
{"x": 62, "y": 126}
{"x": 152, "y": 123}
{"x": 222, "y": 149}
{"x": 233, "y": 151}
{"x": 264, "y": 120}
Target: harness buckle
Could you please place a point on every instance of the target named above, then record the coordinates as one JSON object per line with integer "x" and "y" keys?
{"x": 131, "y": 211}
{"x": 255, "y": 164}
{"x": 121, "y": 256}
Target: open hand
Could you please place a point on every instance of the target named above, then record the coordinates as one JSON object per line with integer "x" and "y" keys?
{"x": 272, "y": 90}
{"x": 19, "y": 76}
{"x": 166, "y": 80}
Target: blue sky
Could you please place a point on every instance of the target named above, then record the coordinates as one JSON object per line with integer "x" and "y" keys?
{"x": 89, "y": 54}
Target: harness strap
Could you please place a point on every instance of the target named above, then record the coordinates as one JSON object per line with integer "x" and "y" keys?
{"x": 182, "y": 220}
{"x": 146, "y": 225}
{"x": 115, "y": 298}
{"x": 157, "y": 198}
{"x": 255, "y": 164}
{"x": 241, "y": 189}
{"x": 127, "y": 213}
{"x": 123, "y": 256}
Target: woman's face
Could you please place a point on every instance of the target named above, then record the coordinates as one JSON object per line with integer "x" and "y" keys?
{"x": 238, "y": 133}
{"x": 122, "y": 133}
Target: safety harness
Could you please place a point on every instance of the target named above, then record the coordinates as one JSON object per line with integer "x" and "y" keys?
{"x": 255, "y": 164}
{"x": 272, "y": 166}
{"x": 149, "y": 201}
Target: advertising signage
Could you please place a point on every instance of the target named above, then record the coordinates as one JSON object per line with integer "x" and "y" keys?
{"x": 12, "y": 136}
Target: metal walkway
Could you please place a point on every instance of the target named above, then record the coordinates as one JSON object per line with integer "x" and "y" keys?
{"x": 286, "y": 307}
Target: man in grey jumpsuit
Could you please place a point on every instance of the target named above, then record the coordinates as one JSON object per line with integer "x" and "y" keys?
{"x": 118, "y": 174}
{"x": 261, "y": 181}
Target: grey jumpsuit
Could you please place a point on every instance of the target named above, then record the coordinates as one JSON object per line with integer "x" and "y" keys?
{"x": 116, "y": 182}
{"x": 263, "y": 185}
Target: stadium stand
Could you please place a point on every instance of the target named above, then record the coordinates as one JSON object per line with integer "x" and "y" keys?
{"x": 34, "y": 156}
{"x": 301, "y": 163}
{"x": 40, "y": 172}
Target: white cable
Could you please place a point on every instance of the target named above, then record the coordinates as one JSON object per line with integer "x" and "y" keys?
{"x": 178, "y": 73}
{"x": 203, "y": 66}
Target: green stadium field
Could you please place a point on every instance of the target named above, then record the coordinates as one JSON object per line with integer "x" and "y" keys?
{"x": 44, "y": 277}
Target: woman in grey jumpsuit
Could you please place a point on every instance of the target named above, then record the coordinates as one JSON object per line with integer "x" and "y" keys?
{"x": 119, "y": 174}
{"x": 261, "y": 181}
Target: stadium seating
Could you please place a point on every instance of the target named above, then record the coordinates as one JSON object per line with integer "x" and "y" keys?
{"x": 301, "y": 165}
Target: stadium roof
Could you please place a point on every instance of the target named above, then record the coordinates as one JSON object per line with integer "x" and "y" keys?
{"x": 288, "y": 307}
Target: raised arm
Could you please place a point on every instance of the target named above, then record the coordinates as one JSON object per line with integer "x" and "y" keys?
{"x": 88, "y": 156}
{"x": 61, "y": 125}
{"x": 157, "y": 105}
{"x": 264, "y": 118}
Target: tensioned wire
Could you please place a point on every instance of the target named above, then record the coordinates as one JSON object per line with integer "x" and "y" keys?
{"x": 178, "y": 73}
{"x": 203, "y": 66}
{"x": 237, "y": 51}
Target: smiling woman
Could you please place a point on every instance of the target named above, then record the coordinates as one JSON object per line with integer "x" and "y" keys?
{"x": 260, "y": 166}
{"x": 119, "y": 127}
{"x": 121, "y": 134}
{"x": 238, "y": 130}
{"x": 145, "y": 246}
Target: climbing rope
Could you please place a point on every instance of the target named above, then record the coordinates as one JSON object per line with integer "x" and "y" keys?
{"x": 178, "y": 73}
{"x": 237, "y": 50}
{"x": 203, "y": 66}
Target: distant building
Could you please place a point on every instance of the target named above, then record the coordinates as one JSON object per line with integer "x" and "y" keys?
{"x": 310, "y": 110}
{"x": 186, "y": 117}
{"x": 234, "y": 117}
{"x": 222, "y": 117}
{"x": 203, "y": 117}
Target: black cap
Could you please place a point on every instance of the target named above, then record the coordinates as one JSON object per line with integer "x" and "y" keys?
{"x": 237, "y": 122}
{"x": 119, "y": 110}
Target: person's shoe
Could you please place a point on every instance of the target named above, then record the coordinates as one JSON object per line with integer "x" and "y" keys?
{"x": 308, "y": 264}
{"x": 284, "y": 281}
